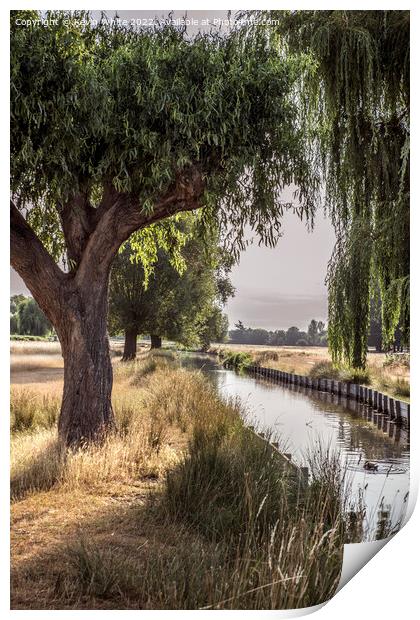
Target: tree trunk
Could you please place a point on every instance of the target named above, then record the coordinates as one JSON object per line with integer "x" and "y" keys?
{"x": 130, "y": 345}
{"x": 86, "y": 411}
{"x": 76, "y": 302}
{"x": 155, "y": 341}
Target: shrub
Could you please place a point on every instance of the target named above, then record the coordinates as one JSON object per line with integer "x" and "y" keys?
{"x": 239, "y": 360}
{"x": 357, "y": 375}
{"x": 302, "y": 343}
{"x": 324, "y": 370}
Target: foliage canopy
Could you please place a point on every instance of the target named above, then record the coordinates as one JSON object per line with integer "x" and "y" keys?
{"x": 104, "y": 104}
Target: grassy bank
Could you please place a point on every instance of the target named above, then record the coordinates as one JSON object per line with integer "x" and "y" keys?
{"x": 389, "y": 374}
{"x": 182, "y": 508}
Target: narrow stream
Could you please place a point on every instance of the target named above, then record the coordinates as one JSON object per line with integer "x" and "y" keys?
{"x": 303, "y": 418}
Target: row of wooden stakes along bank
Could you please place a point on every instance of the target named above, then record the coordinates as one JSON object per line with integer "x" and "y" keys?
{"x": 397, "y": 410}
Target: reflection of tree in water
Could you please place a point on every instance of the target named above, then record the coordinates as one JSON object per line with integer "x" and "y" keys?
{"x": 351, "y": 433}
{"x": 347, "y": 416}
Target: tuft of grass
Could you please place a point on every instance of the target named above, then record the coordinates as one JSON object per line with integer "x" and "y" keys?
{"x": 394, "y": 386}
{"x": 401, "y": 387}
{"x": 231, "y": 483}
{"x": 262, "y": 357}
{"x": 281, "y": 549}
{"x": 357, "y": 375}
{"x": 147, "y": 364}
{"x": 37, "y": 462}
{"x": 99, "y": 572}
{"x": 29, "y": 410}
{"x": 328, "y": 370}
{"x": 325, "y": 370}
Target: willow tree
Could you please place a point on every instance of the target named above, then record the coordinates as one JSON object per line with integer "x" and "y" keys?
{"x": 114, "y": 129}
{"x": 355, "y": 102}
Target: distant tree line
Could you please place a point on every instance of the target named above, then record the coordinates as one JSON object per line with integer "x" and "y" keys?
{"x": 27, "y": 318}
{"x": 316, "y": 335}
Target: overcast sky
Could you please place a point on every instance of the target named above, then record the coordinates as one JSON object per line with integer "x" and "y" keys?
{"x": 284, "y": 286}
{"x": 275, "y": 288}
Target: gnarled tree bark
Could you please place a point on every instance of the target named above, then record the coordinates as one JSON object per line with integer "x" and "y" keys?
{"x": 86, "y": 411}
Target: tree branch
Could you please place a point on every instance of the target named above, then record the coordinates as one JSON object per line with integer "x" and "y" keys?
{"x": 35, "y": 266}
{"x": 123, "y": 216}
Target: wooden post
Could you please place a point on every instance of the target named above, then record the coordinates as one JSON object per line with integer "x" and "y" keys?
{"x": 398, "y": 409}
{"x": 392, "y": 408}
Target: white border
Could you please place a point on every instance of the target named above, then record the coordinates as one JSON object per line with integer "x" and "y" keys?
{"x": 387, "y": 586}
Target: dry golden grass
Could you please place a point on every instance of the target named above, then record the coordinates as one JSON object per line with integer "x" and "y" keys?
{"x": 35, "y": 348}
{"x": 141, "y": 447}
{"x": 103, "y": 528}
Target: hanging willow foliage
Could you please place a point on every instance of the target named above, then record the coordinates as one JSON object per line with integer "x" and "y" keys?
{"x": 355, "y": 100}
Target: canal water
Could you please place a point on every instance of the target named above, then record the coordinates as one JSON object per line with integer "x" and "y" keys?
{"x": 303, "y": 419}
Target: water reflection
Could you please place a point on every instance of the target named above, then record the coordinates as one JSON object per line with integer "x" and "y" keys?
{"x": 303, "y": 417}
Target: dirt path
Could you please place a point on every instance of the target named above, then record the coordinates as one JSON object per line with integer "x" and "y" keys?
{"x": 45, "y": 527}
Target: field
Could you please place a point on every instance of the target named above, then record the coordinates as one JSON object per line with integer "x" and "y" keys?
{"x": 180, "y": 509}
{"x": 387, "y": 375}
